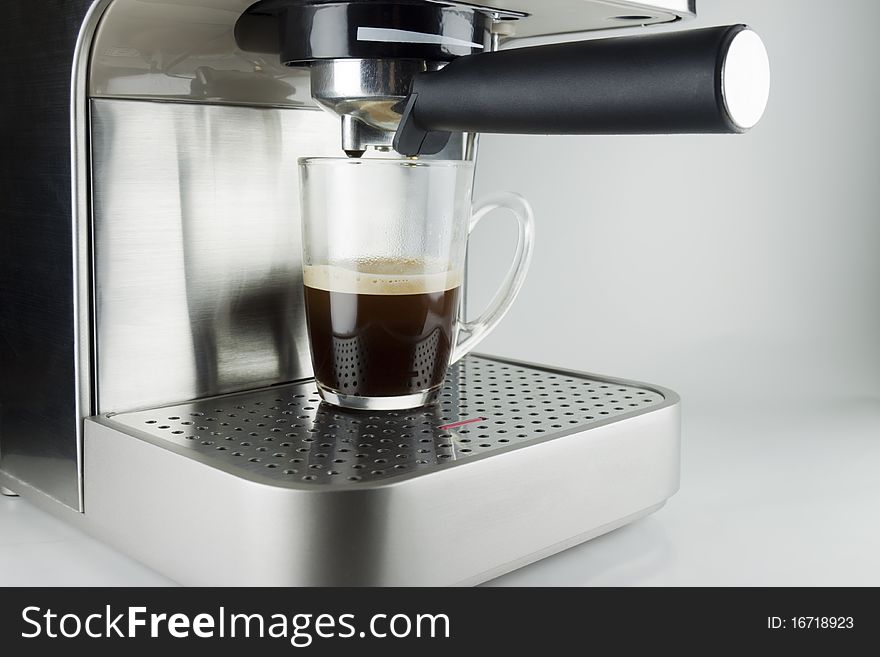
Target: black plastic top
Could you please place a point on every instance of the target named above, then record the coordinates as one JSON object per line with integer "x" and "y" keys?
{"x": 301, "y": 31}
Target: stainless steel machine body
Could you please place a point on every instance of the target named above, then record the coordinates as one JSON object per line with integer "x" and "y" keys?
{"x": 151, "y": 280}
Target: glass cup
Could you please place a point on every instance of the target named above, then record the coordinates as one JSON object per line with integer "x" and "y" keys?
{"x": 384, "y": 245}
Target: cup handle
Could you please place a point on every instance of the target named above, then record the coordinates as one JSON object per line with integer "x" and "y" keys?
{"x": 471, "y": 333}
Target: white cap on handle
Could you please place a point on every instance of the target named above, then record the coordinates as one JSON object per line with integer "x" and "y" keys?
{"x": 745, "y": 79}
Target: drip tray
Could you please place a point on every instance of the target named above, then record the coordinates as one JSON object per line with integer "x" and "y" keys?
{"x": 514, "y": 461}
{"x": 287, "y": 435}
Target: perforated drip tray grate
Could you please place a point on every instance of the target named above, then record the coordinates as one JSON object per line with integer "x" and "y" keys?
{"x": 286, "y": 433}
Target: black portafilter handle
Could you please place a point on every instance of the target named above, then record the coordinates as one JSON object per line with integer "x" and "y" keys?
{"x": 713, "y": 80}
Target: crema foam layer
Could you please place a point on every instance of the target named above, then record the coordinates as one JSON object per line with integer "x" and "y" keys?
{"x": 405, "y": 277}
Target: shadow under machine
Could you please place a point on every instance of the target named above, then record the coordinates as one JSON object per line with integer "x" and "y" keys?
{"x": 155, "y": 370}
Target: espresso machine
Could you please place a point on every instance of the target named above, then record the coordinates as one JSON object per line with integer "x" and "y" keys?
{"x": 155, "y": 369}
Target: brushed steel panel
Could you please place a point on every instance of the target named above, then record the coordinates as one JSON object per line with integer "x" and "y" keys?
{"x": 198, "y": 281}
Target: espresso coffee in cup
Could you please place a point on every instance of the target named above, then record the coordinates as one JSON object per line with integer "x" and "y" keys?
{"x": 381, "y": 328}
{"x": 384, "y": 246}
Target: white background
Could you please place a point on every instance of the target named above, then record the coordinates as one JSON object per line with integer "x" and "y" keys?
{"x": 741, "y": 271}
{"x": 744, "y": 273}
